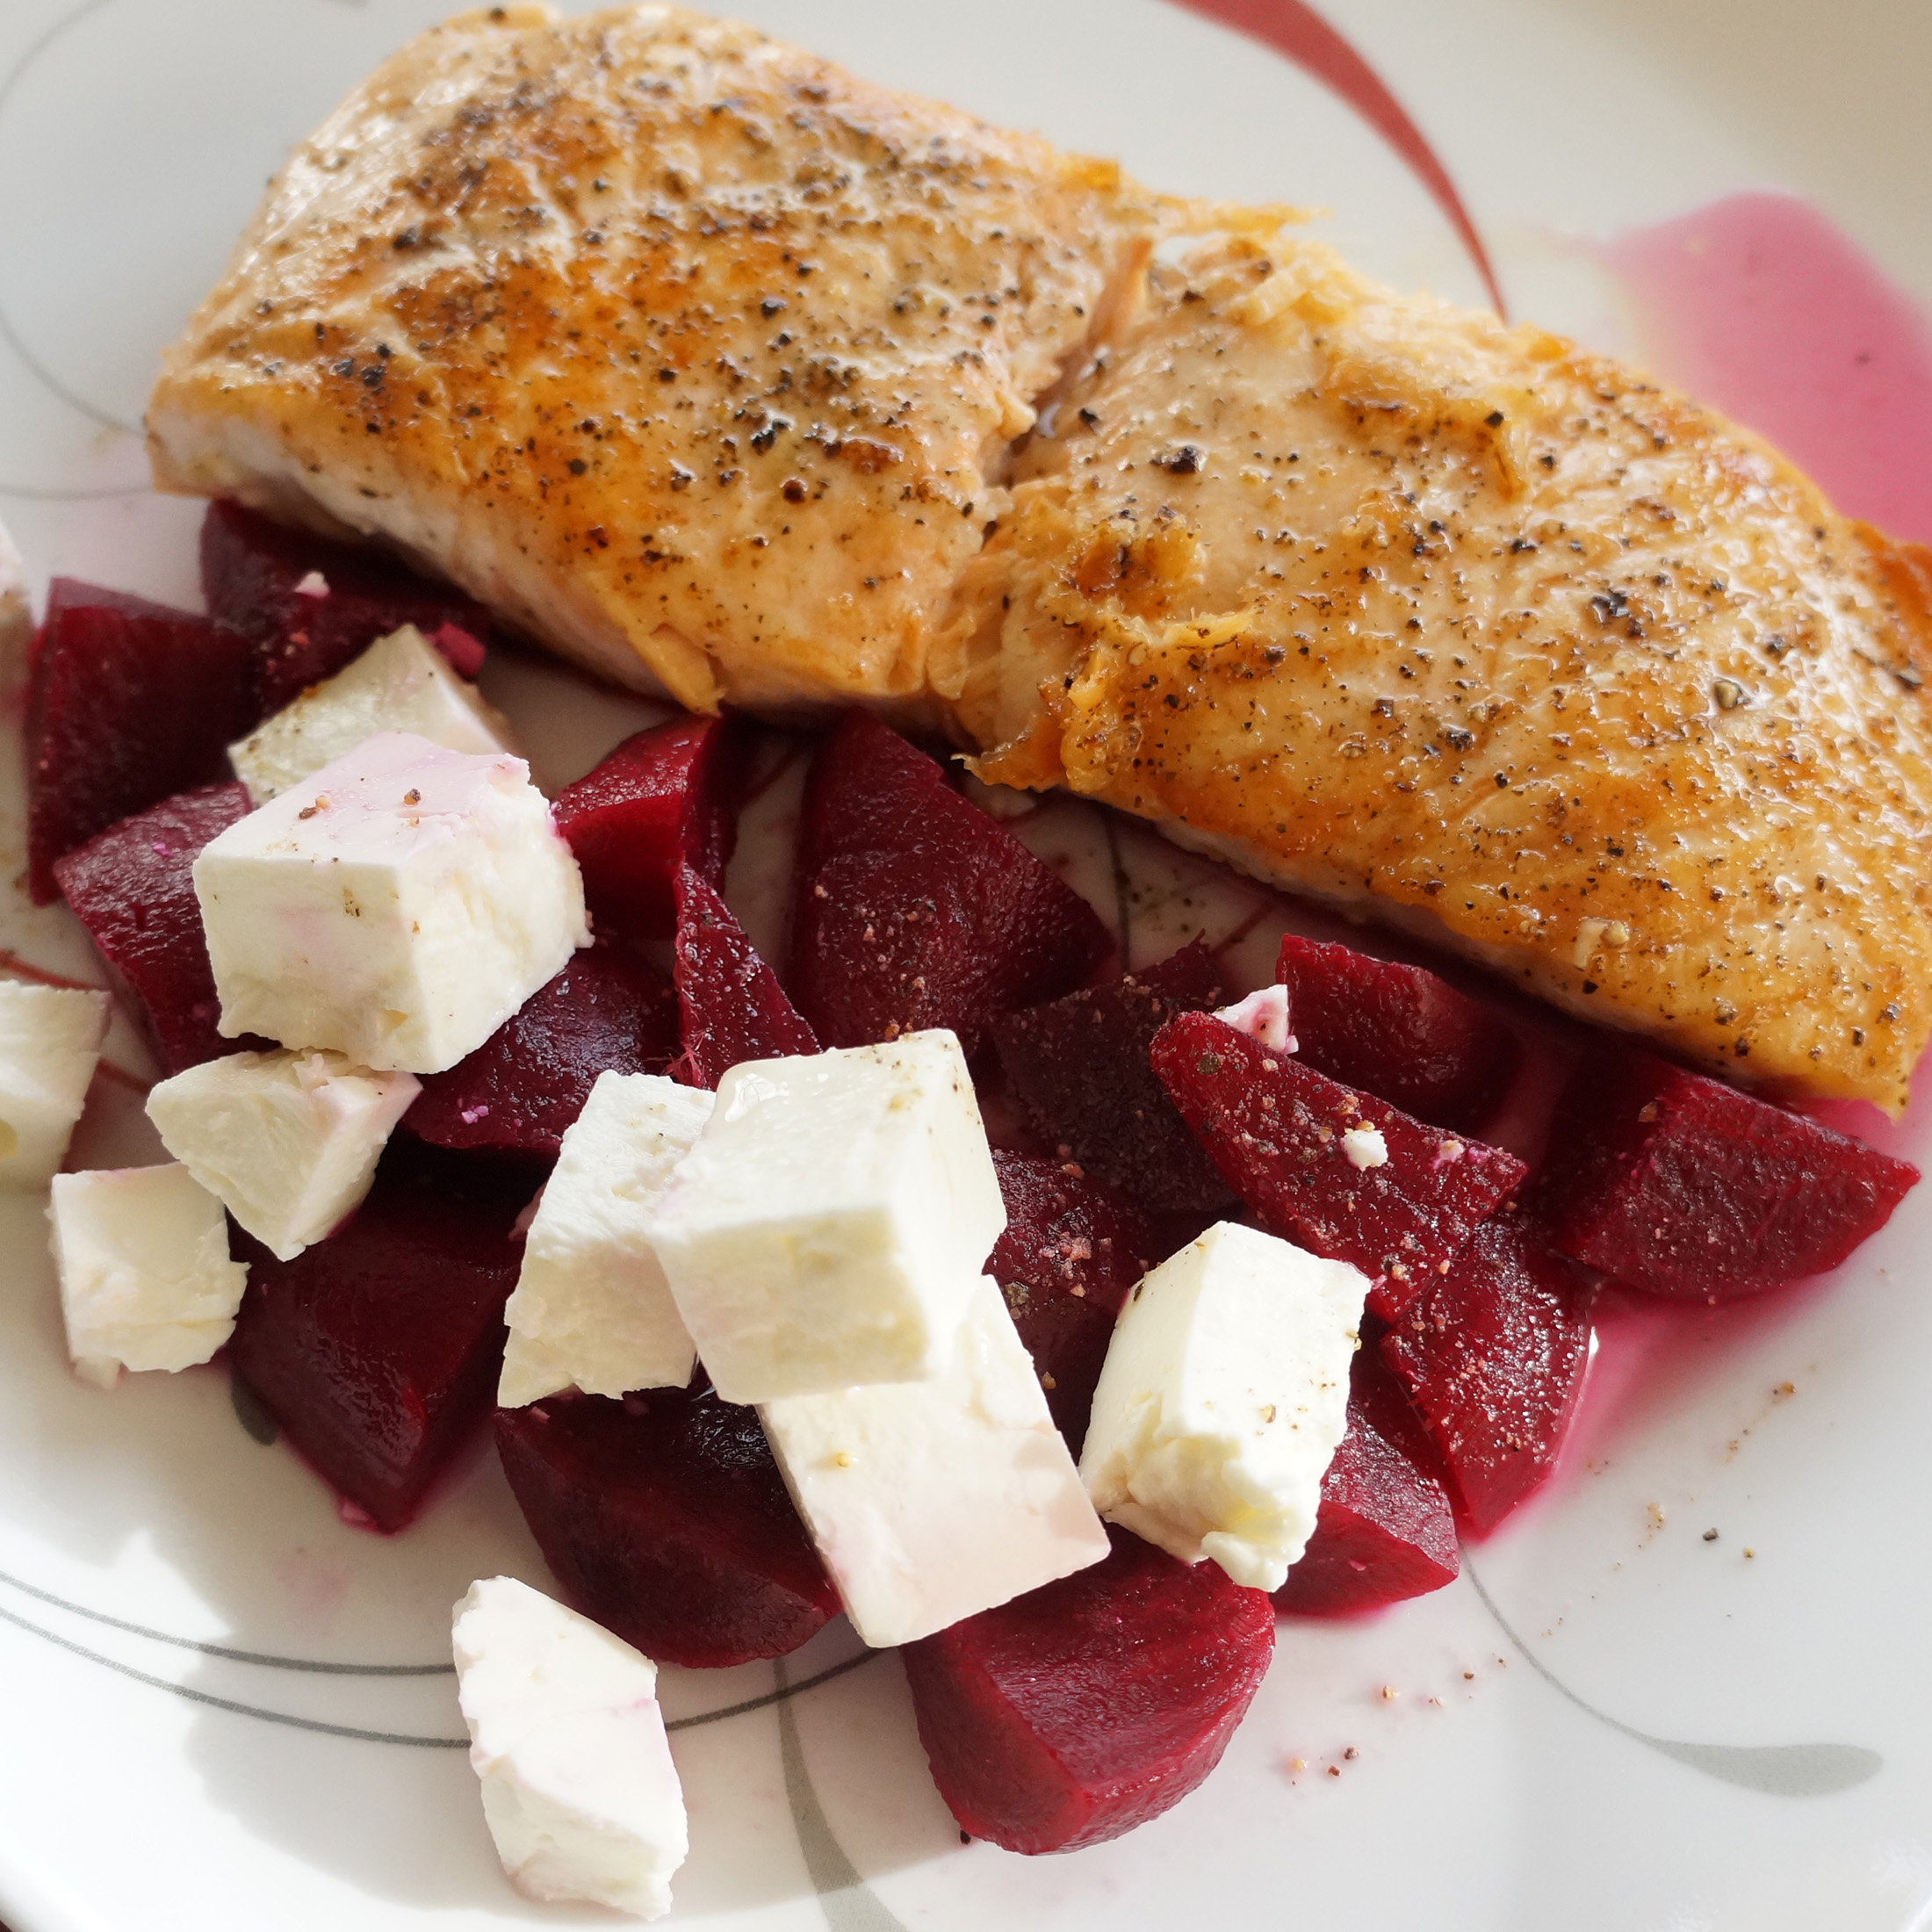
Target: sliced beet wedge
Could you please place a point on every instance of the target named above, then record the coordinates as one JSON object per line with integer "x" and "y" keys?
{"x": 1493, "y": 1356}
{"x": 131, "y": 887}
{"x": 730, "y": 1005}
{"x": 1081, "y": 1710}
{"x": 1397, "y": 1032}
{"x": 1682, "y": 1186}
{"x": 1386, "y": 1531}
{"x": 666, "y": 1519}
{"x": 308, "y": 606}
{"x": 914, "y": 909}
{"x": 1277, "y": 1131}
{"x": 1080, "y": 1068}
{"x": 129, "y": 702}
{"x": 607, "y": 1010}
{"x": 378, "y": 1350}
{"x": 1071, "y": 1251}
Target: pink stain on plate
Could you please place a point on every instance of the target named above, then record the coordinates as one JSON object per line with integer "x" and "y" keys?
{"x": 1759, "y": 306}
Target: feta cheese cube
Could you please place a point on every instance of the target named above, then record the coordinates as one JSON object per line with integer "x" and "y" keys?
{"x": 566, "y": 1735}
{"x": 398, "y": 907}
{"x": 146, "y": 1280}
{"x": 400, "y": 684}
{"x": 829, "y": 1225}
{"x": 287, "y": 1141}
{"x": 1263, "y": 1016}
{"x": 50, "y": 1041}
{"x": 1223, "y": 1396}
{"x": 932, "y": 1501}
{"x": 592, "y": 1308}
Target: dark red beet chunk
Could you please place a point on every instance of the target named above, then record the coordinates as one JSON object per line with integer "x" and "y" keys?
{"x": 730, "y": 1005}
{"x": 607, "y": 1010}
{"x": 1493, "y": 1356}
{"x": 1683, "y": 1186}
{"x": 1385, "y": 1531}
{"x": 666, "y": 1519}
{"x": 666, "y": 798}
{"x": 378, "y": 1350}
{"x": 914, "y": 908}
{"x": 131, "y": 889}
{"x": 1397, "y": 1032}
{"x": 129, "y": 703}
{"x": 1083, "y": 1709}
{"x": 1079, "y": 1067}
{"x": 1072, "y": 1249}
{"x": 250, "y": 567}
{"x": 1274, "y": 1128}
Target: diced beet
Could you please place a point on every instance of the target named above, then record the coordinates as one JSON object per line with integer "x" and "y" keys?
{"x": 131, "y": 887}
{"x": 1071, "y": 1251}
{"x": 250, "y": 569}
{"x": 666, "y": 1519}
{"x": 1085, "y": 1708}
{"x": 129, "y": 702}
{"x": 666, "y": 798}
{"x": 730, "y": 1005}
{"x": 607, "y": 1010}
{"x": 462, "y": 651}
{"x": 1384, "y": 1531}
{"x": 914, "y": 908}
{"x": 1493, "y": 1356}
{"x": 1079, "y": 1067}
{"x": 1397, "y": 1032}
{"x": 1682, "y": 1186}
{"x": 1274, "y": 1128}
{"x": 378, "y": 1350}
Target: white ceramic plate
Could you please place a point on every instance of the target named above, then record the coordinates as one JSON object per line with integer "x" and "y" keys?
{"x": 203, "y": 1726}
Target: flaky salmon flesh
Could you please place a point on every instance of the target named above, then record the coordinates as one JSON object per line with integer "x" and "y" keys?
{"x": 744, "y": 382}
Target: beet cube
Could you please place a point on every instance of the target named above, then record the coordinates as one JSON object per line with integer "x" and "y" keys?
{"x": 251, "y": 570}
{"x": 131, "y": 887}
{"x": 1071, "y": 1251}
{"x": 1079, "y": 1066}
{"x": 665, "y": 798}
{"x": 666, "y": 1519}
{"x": 1493, "y": 1356}
{"x": 1384, "y": 1531}
{"x": 1275, "y": 1128}
{"x": 1397, "y": 1032}
{"x": 129, "y": 702}
{"x": 1087, "y": 1707}
{"x": 914, "y": 908}
{"x": 607, "y": 1010}
{"x": 378, "y": 1350}
{"x": 730, "y": 1006}
{"x": 1682, "y": 1186}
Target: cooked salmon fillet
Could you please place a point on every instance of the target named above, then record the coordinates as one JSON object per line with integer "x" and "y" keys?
{"x": 692, "y": 353}
{"x": 1454, "y": 623}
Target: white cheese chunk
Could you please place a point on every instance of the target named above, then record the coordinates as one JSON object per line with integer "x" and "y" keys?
{"x": 397, "y": 907}
{"x": 566, "y": 1735}
{"x": 829, "y": 1225}
{"x": 592, "y": 1308}
{"x": 1364, "y": 1147}
{"x": 146, "y": 1280}
{"x": 50, "y": 1041}
{"x": 1223, "y": 1396}
{"x": 287, "y": 1141}
{"x": 1263, "y": 1016}
{"x": 400, "y": 684}
{"x": 932, "y": 1501}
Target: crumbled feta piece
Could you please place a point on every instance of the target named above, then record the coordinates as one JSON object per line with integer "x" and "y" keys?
{"x": 287, "y": 1141}
{"x": 932, "y": 1501}
{"x": 1263, "y": 1016}
{"x": 146, "y": 1280}
{"x": 1223, "y": 1396}
{"x": 1364, "y": 1147}
{"x": 828, "y": 1227}
{"x": 592, "y": 1308}
{"x": 400, "y": 684}
{"x": 567, "y": 1737}
{"x": 313, "y": 585}
{"x": 50, "y": 1041}
{"x": 397, "y": 907}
